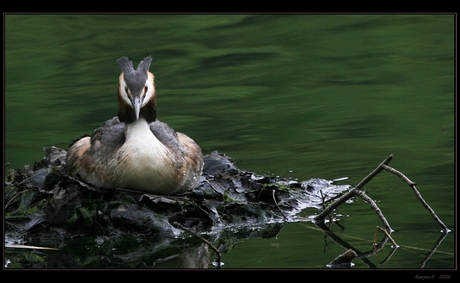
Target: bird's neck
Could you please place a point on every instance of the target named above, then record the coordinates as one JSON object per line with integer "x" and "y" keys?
{"x": 137, "y": 129}
{"x": 141, "y": 143}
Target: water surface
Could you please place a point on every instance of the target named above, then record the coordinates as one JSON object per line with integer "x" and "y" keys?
{"x": 297, "y": 96}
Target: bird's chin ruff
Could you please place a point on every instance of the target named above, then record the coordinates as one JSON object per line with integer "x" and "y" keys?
{"x": 122, "y": 95}
{"x": 148, "y": 110}
{"x": 127, "y": 115}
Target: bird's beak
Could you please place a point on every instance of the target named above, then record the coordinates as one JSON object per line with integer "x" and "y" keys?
{"x": 137, "y": 102}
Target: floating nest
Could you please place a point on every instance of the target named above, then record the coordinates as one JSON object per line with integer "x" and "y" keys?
{"x": 46, "y": 206}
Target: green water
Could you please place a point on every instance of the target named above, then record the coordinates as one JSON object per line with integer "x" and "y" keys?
{"x": 298, "y": 96}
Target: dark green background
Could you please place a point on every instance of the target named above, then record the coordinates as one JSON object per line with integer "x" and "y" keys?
{"x": 298, "y": 96}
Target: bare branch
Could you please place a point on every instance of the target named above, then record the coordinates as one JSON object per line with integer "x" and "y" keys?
{"x": 357, "y": 191}
{"x": 388, "y": 235}
{"x": 374, "y": 173}
{"x": 419, "y": 196}
{"x": 377, "y": 210}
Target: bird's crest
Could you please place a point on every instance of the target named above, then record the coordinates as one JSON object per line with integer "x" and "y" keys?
{"x": 127, "y": 66}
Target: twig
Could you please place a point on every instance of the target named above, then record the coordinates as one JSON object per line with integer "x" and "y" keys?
{"x": 29, "y": 247}
{"x": 352, "y": 192}
{"x": 15, "y": 196}
{"x": 419, "y": 196}
{"x": 374, "y": 173}
{"x": 357, "y": 191}
{"x": 336, "y": 239}
{"x": 343, "y": 260}
{"x": 274, "y": 199}
{"x": 377, "y": 210}
{"x": 203, "y": 240}
{"x": 324, "y": 204}
{"x": 388, "y": 235}
{"x": 322, "y": 198}
{"x": 377, "y": 247}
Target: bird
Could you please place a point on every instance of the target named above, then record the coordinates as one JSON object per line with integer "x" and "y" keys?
{"x": 135, "y": 151}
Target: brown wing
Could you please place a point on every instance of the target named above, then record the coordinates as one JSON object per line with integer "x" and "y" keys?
{"x": 88, "y": 153}
{"x": 188, "y": 154}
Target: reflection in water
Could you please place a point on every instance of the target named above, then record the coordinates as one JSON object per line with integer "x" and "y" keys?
{"x": 344, "y": 260}
{"x": 196, "y": 254}
{"x": 191, "y": 257}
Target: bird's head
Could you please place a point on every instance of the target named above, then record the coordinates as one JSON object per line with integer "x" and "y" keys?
{"x": 136, "y": 91}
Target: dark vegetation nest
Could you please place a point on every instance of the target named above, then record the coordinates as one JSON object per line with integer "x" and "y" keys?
{"x": 43, "y": 197}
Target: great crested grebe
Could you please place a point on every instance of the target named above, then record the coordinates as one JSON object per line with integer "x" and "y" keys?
{"x": 135, "y": 151}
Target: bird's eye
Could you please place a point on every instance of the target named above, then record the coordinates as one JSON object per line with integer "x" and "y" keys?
{"x": 145, "y": 89}
{"x": 126, "y": 89}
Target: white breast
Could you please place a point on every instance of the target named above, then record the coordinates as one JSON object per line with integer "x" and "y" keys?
{"x": 144, "y": 162}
